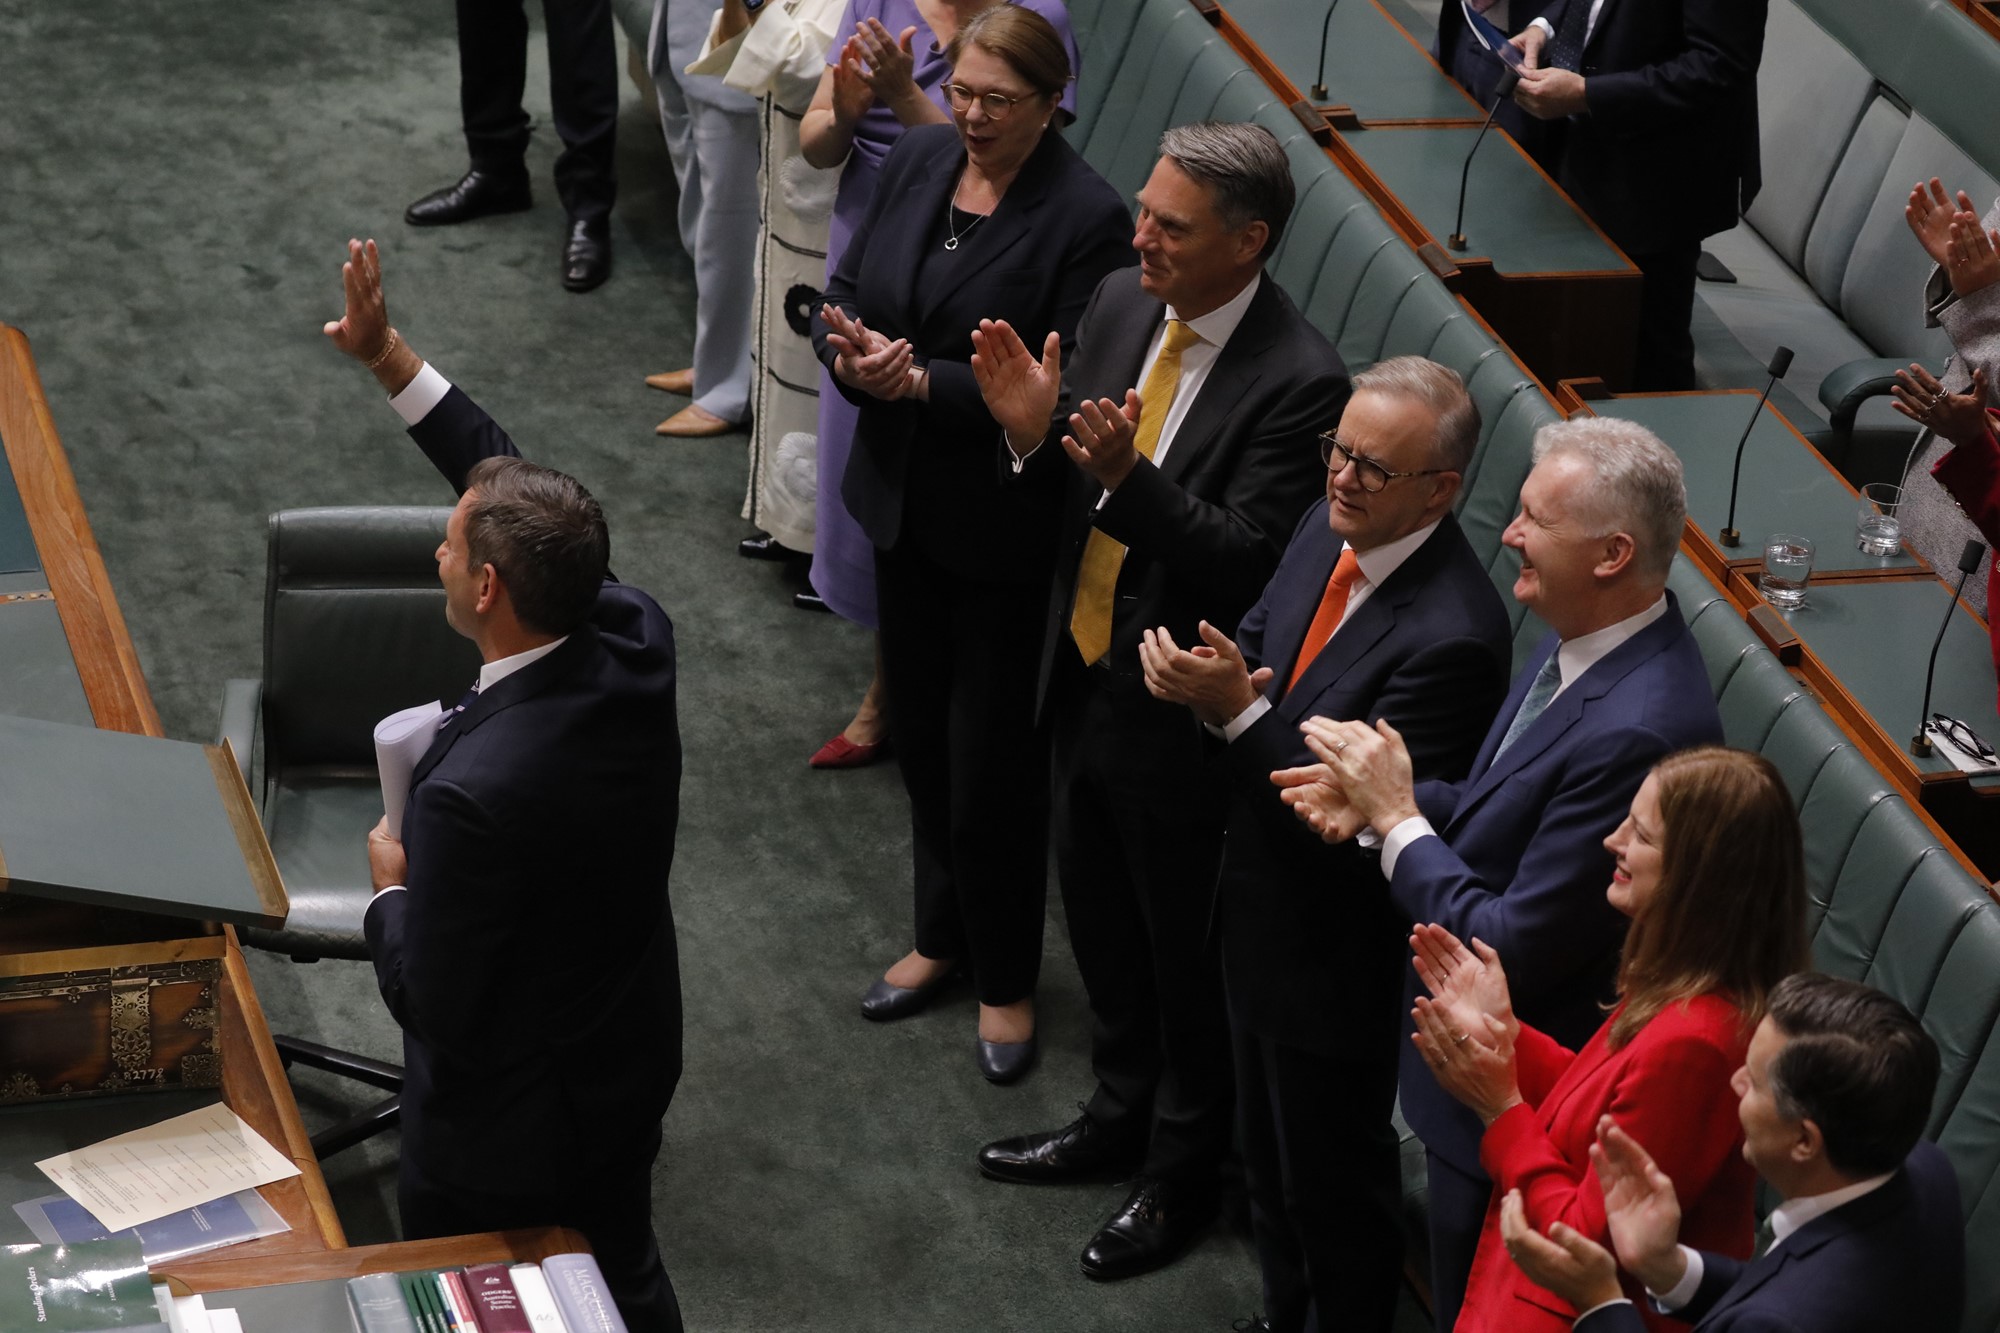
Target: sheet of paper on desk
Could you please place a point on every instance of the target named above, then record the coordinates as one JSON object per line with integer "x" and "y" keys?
{"x": 182, "y": 1163}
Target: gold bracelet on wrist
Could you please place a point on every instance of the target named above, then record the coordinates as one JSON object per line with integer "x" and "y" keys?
{"x": 387, "y": 348}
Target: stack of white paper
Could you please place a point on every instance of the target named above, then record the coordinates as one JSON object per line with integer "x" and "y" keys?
{"x": 400, "y": 741}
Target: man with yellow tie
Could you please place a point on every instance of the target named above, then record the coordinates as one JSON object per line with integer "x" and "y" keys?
{"x": 1379, "y": 611}
{"x": 1199, "y": 394}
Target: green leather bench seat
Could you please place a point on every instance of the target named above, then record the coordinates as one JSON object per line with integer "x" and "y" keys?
{"x": 1854, "y": 109}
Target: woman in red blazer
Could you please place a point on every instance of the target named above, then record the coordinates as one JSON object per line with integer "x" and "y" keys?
{"x": 1711, "y": 872}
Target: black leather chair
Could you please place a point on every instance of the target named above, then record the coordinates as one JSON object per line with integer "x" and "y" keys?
{"x": 354, "y": 629}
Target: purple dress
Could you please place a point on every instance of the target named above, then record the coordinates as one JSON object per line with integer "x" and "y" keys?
{"x": 843, "y": 567}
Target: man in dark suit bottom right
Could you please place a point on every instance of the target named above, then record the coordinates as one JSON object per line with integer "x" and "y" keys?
{"x": 1834, "y": 1096}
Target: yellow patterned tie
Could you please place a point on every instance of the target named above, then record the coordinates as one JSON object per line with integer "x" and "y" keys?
{"x": 1097, "y": 576}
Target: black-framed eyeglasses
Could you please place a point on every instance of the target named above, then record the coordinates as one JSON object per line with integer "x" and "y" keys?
{"x": 1374, "y": 478}
{"x": 997, "y": 105}
{"x": 1964, "y": 737}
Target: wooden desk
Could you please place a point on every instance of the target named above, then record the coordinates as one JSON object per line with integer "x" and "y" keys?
{"x": 92, "y": 662}
{"x": 1786, "y": 485}
{"x": 192, "y": 1277}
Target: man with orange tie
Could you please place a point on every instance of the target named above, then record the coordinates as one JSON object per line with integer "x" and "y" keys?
{"x": 1198, "y": 395}
{"x": 1379, "y": 610}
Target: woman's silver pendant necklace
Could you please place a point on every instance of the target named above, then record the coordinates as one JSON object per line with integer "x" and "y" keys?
{"x": 951, "y": 221}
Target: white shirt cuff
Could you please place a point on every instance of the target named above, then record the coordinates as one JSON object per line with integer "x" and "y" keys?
{"x": 1548, "y": 28}
{"x": 420, "y": 395}
{"x": 1401, "y": 836}
{"x": 380, "y": 894}
{"x": 1244, "y": 720}
{"x": 1684, "y": 1290}
{"x": 1605, "y": 1305}
{"x": 1018, "y": 457}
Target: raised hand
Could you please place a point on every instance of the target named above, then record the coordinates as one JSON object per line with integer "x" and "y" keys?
{"x": 1971, "y": 260}
{"x": 1474, "y": 1064}
{"x": 852, "y": 93}
{"x": 1565, "y": 1261}
{"x": 1929, "y": 213}
{"x": 1640, "y": 1207}
{"x": 1370, "y": 764}
{"x": 1103, "y": 438}
{"x": 888, "y": 62}
{"x": 1469, "y": 984}
{"x": 1958, "y": 417}
{"x": 867, "y": 360}
{"x": 1020, "y": 391}
{"x": 1317, "y": 800}
{"x": 1211, "y": 678}
{"x": 362, "y": 331}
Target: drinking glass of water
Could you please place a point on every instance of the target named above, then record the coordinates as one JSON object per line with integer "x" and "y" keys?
{"x": 1877, "y": 529}
{"x": 1788, "y": 562}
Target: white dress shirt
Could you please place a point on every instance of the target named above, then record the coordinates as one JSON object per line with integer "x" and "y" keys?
{"x": 1573, "y": 658}
{"x": 1376, "y": 567}
{"x": 1589, "y": 26}
{"x": 1214, "y": 329}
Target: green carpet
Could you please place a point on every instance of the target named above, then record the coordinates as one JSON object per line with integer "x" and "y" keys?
{"x": 176, "y": 186}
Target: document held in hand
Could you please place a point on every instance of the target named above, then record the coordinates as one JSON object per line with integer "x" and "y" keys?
{"x": 400, "y": 741}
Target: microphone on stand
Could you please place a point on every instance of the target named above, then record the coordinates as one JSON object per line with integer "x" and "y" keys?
{"x": 1504, "y": 89}
{"x": 1781, "y": 361}
{"x": 1319, "y": 89}
{"x": 1968, "y": 560}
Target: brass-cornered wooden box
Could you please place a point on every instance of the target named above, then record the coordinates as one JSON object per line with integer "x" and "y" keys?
{"x": 94, "y": 1001}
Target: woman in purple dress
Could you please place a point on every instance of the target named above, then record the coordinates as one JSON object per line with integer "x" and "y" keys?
{"x": 887, "y": 76}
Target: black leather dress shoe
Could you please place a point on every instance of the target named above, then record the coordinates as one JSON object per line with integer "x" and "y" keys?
{"x": 884, "y": 1002}
{"x": 1254, "y": 1324}
{"x": 586, "y": 254}
{"x": 809, "y": 601}
{"x": 1156, "y": 1225}
{"x": 1080, "y": 1150}
{"x": 1005, "y": 1061}
{"x": 477, "y": 194}
{"x": 766, "y": 547}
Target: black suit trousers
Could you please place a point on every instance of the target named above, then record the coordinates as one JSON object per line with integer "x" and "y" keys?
{"x": 614, "y": 1215}
{"x": 1323, "y": 1168}
{"x": 959, "y": 658}
{"x": 1665, "y": 360}
{"x": 583, "y": 91}
{"x": 1138, "y": 824}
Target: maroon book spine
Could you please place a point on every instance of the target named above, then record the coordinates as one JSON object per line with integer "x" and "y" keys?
{"x": 495, "y": 1303}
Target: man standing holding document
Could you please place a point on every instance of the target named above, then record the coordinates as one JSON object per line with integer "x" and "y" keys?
{"x": 555, "y": 782}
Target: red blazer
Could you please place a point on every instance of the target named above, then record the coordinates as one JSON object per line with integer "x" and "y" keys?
{"x": 1972, "y": 475}
{"x": 1669, "y": 1088}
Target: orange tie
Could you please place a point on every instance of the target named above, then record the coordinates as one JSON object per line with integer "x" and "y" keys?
{"x": 1331, "y": 608}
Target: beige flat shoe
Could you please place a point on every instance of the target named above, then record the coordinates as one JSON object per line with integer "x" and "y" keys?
{"x": 672, "y": 381}
{"x": 692, "y": 423}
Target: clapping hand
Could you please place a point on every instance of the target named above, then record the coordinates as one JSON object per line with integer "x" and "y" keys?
{"x": 1316, "y": 798}
{"x": 1211, "y": 677}
{"x": 1640, "y": 1207}
{"x": 1020, "y": 391}
{"x": 1565, "y": 1261}
{"x": 867, "y": 360}
{"x": 1971, "y": 260}
{"x": 1958, "y": 417}
{"x": 1469, "y": 985}
{"x": 1104, "y": 438}
{"x": 1475, "y": 1064}
{"x": 1930, "y": 213}
{"x": 887, "y": 62}
{"x": 852, "y": 95}
{"x": 1370, "y": 765}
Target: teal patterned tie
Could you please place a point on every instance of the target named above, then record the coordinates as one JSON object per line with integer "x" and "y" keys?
{"x": 1547, "y": 681}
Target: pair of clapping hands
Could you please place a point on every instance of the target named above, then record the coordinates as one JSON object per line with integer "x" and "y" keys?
{"x": 1970, "y": 256}
{"x": 1364, "y": 776}
{"x": 876, "y": 66}
{"x": 1465, "y": 1032}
